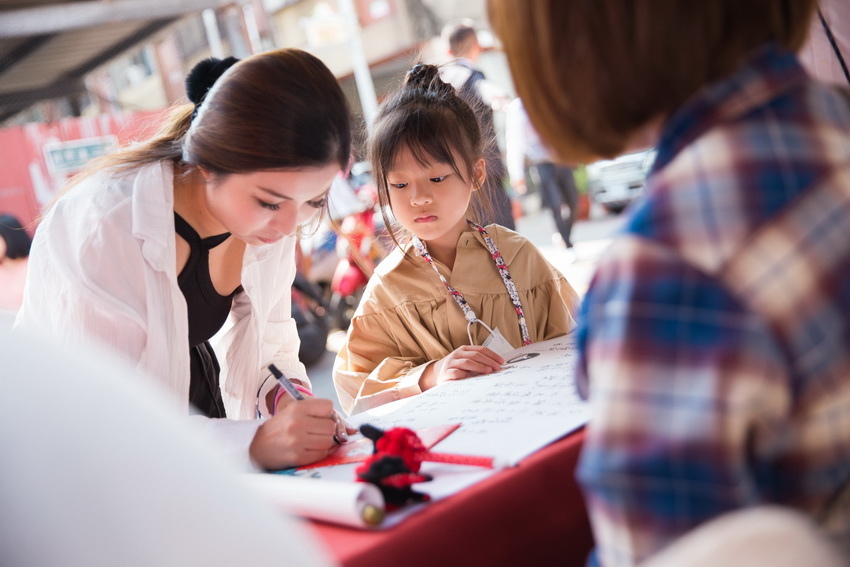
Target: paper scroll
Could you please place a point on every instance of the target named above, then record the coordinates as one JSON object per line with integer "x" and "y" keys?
{"x": 355, "y": 504}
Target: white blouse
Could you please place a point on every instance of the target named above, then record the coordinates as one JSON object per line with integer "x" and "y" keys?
{"x": 103, "y": 267}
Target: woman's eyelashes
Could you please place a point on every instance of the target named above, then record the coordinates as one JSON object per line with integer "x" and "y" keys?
{"x": 315, "y": 203}
{"x": 318, "y": 203}
{"x": 270, "y": 206}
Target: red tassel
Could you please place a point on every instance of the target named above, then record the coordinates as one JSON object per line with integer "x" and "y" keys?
{"x": 404, "y": 443}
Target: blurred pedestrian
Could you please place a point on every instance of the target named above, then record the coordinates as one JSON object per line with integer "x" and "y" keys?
{"x": 714, "y": 340}
{"x": 14, "y": 258}
{"x": 484, "y": 97}
{"x": 155, "y": 247}
{"x": 554, "y": 181}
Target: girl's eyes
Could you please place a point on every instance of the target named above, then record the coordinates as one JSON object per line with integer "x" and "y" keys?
{"x": 439, "y": 179}
{"x": 270, "y": 206}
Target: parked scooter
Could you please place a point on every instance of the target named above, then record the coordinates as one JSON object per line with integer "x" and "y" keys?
{"x": 311, "y": 318}
{"x": 355, "y": 267}
{"x": 341, "y": 255}
{"x": 358, "y": 246}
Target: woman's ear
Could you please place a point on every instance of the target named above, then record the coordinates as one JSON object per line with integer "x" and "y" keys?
{"x": 479, "y": 173}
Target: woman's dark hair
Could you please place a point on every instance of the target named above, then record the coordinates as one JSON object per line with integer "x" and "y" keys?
{"x": 18, "y": 242}
{"x": 281, "y": 109}
{"x": 427, "y": 117}
{"x": 276, "y": 110}
{"x": 592, "y": 74}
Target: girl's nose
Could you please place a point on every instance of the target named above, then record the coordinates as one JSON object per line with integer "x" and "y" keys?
{"x": 420, "y": 196}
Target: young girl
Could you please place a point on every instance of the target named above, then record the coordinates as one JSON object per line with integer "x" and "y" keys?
{"x": 451, "y": 287}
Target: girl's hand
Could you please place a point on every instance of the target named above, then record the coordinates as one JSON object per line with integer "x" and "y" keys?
{"x": 466, "y": 361}
{"x": 300, "y": 433}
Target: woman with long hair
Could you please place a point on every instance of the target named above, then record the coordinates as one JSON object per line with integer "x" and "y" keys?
{"x": 154, "y": 248}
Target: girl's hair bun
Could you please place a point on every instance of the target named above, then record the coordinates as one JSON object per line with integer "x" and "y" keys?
{"x": 204, "y": 75}
{"x": 427, "y": 77}
{"x": 420, "y": 75}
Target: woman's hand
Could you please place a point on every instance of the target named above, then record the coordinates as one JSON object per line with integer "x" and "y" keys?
{"x": 301, "y": 432}
{"x": 283, "y": 400}
{"x": 466, "y": 361}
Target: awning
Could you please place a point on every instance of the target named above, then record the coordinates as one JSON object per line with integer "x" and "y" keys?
{"x": 48, "y": 46}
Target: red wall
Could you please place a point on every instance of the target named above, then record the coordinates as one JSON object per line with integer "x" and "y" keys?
{"x": 26, "y": 181}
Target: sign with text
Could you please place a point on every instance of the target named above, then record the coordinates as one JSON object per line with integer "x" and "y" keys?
{"x": 73, "y": 155}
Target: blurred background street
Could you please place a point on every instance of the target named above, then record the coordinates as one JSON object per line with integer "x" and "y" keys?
{"x": 81, "y": 78}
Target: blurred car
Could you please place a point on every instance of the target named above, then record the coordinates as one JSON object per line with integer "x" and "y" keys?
{"x": 615, "y": 183}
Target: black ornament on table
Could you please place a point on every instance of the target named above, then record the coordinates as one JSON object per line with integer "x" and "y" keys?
{"x": 389, "y": 472}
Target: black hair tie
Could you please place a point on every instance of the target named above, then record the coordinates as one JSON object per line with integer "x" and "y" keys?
{"x": 203, "y": 76}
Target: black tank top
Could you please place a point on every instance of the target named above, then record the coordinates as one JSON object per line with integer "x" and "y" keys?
{"x": 208, "y": 309}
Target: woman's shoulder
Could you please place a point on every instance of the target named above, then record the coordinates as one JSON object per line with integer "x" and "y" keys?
{"x": 114, "y": 184}
{"x": 92, "y": 202}
{"x": 112, "y": 202}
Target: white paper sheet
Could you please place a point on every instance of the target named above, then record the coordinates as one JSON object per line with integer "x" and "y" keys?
{"x": 508, "y": 415}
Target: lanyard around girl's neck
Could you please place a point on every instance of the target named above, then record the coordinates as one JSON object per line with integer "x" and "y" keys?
{"x": 503, "y": 272}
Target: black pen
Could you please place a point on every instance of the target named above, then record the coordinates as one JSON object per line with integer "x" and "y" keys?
{"x": 285, "y": 383}
{"x": 296, "y": 395}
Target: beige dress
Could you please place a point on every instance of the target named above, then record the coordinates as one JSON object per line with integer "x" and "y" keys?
{"x": 407, "y": 319}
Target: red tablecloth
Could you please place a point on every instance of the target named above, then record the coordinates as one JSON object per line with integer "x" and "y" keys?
{"x": 532, "y": 514}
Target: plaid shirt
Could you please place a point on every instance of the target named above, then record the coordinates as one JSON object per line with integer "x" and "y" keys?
{"x": 715, "y": 336}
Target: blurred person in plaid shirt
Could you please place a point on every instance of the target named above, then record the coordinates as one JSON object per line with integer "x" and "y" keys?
{"x": 715, "y": 336}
